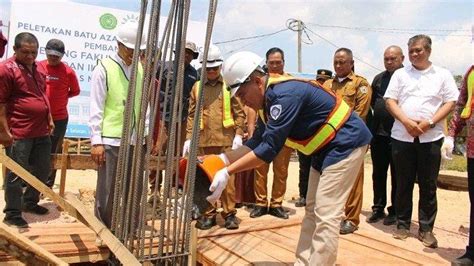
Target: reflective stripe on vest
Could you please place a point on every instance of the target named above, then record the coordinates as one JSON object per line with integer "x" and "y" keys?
{"x": 227, "y": 119}
{"x": 466, "y": 112}
{"x": 117, "y": 90}
{"x": 327, "y": 132}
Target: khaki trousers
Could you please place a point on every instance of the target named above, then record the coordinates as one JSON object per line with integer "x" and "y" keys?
{"x": 228, "y": 195}
{"x": 327, "y": 193}
{"x": 280, "y": 174}
{"x": 354, "y": 202}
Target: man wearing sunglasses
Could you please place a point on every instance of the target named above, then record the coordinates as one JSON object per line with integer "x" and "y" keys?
{"x": 303, "y": 115}
{"x": 221, "y": 129}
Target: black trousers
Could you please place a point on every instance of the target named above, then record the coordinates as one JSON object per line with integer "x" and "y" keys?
{"x": 470, "y": 184}
{"x": 416, "y": 160}
{"x": 381, "y": 153}
{"x": 34, "y": 155}
{"x": 305, "y": 165}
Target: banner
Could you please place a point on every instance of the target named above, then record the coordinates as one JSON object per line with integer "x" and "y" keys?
{"x": 88, "y": 33}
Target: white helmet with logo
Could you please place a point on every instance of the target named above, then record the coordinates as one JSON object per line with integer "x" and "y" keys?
{"x": 214, "y": 56}
{"x": 127, "y": 35}
{"x": 238, "y": 67}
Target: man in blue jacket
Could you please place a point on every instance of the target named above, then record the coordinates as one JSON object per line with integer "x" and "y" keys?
{"x": 302, "y": 115}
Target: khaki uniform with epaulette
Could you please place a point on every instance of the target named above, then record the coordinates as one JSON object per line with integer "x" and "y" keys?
{"x": 356, "y": 92}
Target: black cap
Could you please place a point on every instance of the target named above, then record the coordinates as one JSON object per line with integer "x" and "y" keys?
{"x": 55, "y": 47}
{"x": 323, "y": 74}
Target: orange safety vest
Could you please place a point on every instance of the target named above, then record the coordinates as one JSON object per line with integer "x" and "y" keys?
{"x": 466, "y": 111}
{"x": 227, "y": 118}
{"x": 327, "y": 132}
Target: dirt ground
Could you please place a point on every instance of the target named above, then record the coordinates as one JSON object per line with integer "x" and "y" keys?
{"x": 451, "y": 227}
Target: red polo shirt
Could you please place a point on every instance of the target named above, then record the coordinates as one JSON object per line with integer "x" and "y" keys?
{"x": 23, "y": 92}
{"x": 61, "y": 84}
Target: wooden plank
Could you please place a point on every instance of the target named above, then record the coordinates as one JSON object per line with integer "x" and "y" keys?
{"x": 75, "y": 209}
{"x": 251, "y": 252}
{"x": 115, "y": 246}
{"x": 84, "y": 162}
{"x": 209, "y": 253}
{"x": 62, "y": 182}
{"x": 452, "y": 182}
{"x": 23, "y": 248}
{"x": 279, "y": 240}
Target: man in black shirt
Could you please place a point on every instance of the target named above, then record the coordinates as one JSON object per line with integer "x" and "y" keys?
{"x": 381, "y": 126}
{"x": 190, "y": 77}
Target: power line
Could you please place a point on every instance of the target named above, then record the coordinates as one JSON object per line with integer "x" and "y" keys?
{"x": 397, "y": 30}
{"x": 252, "y": 37}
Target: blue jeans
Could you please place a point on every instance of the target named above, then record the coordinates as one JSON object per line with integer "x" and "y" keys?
{"x": 33, "y": 155}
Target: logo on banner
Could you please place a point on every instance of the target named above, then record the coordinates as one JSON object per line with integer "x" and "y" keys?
{"x": 108, "y": 21}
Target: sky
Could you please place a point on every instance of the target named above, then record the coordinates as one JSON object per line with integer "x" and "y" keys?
{"x": 365, "y": 27}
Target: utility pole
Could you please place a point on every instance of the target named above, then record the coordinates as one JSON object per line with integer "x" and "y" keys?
{"x": 299, "y": 46}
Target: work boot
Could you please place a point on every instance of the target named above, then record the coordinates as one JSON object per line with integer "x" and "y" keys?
{"x": 375, "y": 216}
{"x": 401, "y": 233}
{"x": 300, "y": 202}
{"x": 464, "y": 260}
{"x": 347, "y": 227}
{"x": 16, "y": 221}
{"x": 258, "y": 211}
{"x": 278, "y": 212}
{"x": 206, "y": 223}
{"x": 428, "y": 239}
{"x": 231, "y": 222}
{"x": 35, "y": 208}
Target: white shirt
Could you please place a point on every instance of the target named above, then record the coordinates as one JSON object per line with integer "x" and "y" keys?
{"x": 98, "y": 95}
{"x": 420, "y": 94}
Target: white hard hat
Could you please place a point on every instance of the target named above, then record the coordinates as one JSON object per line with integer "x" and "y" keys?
{"x": 238, "y": 67}
{"x": 214, "y": 56}
{"x": 127, "y": 35}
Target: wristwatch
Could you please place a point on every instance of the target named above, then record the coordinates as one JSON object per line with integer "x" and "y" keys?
{"x": 432, "y": 124}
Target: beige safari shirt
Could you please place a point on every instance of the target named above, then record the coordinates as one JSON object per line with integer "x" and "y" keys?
{"x": 355, "y": 90}
{"x": 214, "y": 133}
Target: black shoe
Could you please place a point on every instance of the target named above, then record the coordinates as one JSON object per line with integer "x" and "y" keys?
{"x": 239, "y": 205}
{"x": 206, "y": 223}
{"x": 428, "y": 239}
{"x": 258, "y": 211}
{"x": 278, "y": 212}
{"x": 347, "y": 227}
{"x": 464, "y": 260}
{"x": 17, "y": 222}
{"x": 301, "y": 202}
{"x": 390, "y": 219}
{"x": 375, "y": 217}
{"x": 36, "y": 209}
{"x": 231, "y": 222}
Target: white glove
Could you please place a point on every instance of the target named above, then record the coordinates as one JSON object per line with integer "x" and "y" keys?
{"x": 186, "y": 146}
{"x": 237, "y": 142}
{"x": 447, "y": 148}
{"x": 218, "y": 185}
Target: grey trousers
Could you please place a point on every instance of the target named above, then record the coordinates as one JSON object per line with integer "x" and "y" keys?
{"x": 104, "y": 199}
{"x": 33, "y": 155}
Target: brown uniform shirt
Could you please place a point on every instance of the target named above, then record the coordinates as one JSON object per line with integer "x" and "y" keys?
{"x": 214, "y": 132}
{"x": 355, "y": 90}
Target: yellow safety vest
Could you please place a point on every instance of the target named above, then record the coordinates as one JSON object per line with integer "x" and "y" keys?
{"x": 327, "y": 132}
{"x": 117, "y": 91}
{"x": 227, "y": 118}
{"x": 466, "y": 112}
